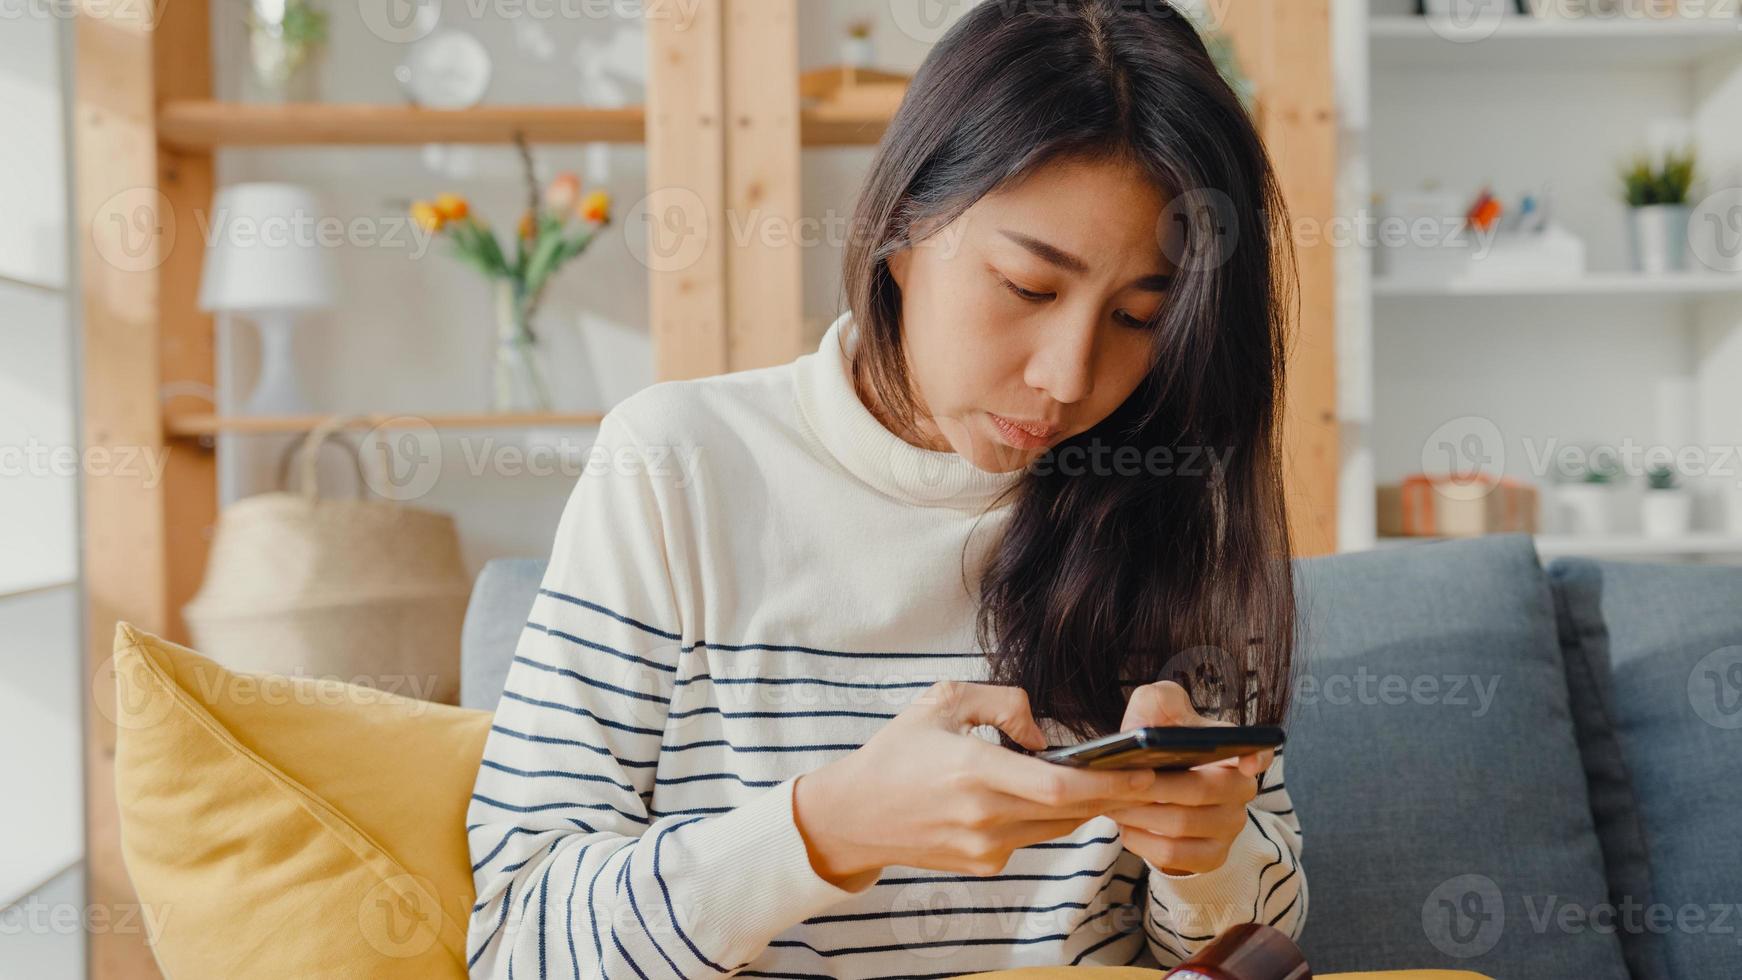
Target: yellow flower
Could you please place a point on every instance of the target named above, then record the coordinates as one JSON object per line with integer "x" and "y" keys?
{"x": 561, "y": 194}
{"x": 596, "y": 207}
{"x": 427, "y": 216}
{"x": 452, "y": 207}
{"x": 528, "y": 226}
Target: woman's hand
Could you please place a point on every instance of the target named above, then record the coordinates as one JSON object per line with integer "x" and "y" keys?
{"x": 1192, "y": 817}
{"x": 925, "y": 794}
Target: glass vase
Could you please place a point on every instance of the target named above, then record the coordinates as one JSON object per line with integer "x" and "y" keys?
{"x": 286, "y": 49}
{"x": 519, "y": 382}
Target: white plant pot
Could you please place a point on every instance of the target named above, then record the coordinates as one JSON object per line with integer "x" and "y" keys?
{"x": 1666, "y": 513}
{"x": 857, "y": 52}
{"x": 1658, "y": 234}
{"x": 1584, "y": 508}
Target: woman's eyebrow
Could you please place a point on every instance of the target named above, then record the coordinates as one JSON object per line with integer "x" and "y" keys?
{"x": 1053, "y": 255}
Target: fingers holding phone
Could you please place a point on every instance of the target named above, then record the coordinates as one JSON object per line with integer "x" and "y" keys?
{"x": 924, "y": 793}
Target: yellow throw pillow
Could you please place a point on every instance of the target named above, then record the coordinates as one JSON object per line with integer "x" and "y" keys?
{"x": 283, "y": 827}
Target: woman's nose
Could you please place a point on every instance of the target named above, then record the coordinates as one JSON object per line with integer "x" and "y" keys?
{"x": 1063, "y": 362}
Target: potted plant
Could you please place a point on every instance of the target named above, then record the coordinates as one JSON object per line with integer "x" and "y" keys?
{"x": 856, "y": 48}
{"x": 558, "y": 225}
{"x": 1585, "y": 505}
{"x": 1656, "y": 192}
{"x": 1667, "y": 508}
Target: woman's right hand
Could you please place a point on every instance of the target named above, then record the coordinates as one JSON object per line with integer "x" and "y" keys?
{"x": 925, "y": 794}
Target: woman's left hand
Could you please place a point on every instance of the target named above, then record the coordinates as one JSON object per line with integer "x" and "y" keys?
{"x": 1196, "y": 813}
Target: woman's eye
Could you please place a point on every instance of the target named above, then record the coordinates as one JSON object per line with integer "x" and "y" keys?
{"x": 1026, "y": 294}
{"x": 1122, "y": 317}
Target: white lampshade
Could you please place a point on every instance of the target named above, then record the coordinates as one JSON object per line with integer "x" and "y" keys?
{"x": 266, "y": 251}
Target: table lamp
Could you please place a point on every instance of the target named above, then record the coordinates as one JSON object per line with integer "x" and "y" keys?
{"x": 264, "y": 261}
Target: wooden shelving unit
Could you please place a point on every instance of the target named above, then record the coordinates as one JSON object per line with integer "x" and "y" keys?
{"x": 723, "y": 120}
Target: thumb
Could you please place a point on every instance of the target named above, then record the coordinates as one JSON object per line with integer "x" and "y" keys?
{"x": 962, "y": 705}
{"x": 1162, "y": 703}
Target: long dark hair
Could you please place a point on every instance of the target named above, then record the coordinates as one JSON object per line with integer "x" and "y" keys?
{"x": 1102, "y": 582}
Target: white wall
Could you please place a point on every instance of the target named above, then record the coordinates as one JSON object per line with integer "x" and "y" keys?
{"x": 40, "y": 675}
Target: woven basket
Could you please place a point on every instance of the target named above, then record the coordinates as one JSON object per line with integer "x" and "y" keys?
{"x": 368, "y": 591}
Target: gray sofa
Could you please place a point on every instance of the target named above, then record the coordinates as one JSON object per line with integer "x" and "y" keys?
{"x": 1532, "y": 773}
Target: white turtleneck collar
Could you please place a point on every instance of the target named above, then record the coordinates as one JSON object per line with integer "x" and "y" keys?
{"x": 873, "y": 453}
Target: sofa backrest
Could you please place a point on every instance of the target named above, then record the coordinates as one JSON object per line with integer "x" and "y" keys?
{"x": 1673, "y": 635}
{"x": 1436, "y": 767}
{"x": 1464, "y": 765}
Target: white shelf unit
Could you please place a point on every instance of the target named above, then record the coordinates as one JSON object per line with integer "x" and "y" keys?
{"x": 1550, "y": 363}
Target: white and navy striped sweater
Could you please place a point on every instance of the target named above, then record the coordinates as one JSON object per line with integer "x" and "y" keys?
{"x": 752, "y": 576}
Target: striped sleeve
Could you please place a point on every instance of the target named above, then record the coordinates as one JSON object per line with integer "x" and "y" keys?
{"x": 577, "y": 873}
{"x": 1261, "y": 881}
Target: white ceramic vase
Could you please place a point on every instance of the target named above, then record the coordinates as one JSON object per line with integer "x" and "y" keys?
{"x": 1584, "y": 508}
{"x": 1666, "y": 513}
{"x": 1658, "y": 234}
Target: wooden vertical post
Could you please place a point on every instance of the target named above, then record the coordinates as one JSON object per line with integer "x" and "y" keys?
{"x": 685, "y": 220}
{"x": 724, "y": 257}
{"x": 1285, "y": 46}
{"x": 143, "y": 340}
{"x": 765, "y": 263}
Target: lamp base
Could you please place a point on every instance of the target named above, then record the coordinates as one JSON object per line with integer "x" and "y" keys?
{"x": 277, "y": 392}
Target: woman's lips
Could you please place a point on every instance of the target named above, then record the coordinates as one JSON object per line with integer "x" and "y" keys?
{"x": 1024, "y": 436}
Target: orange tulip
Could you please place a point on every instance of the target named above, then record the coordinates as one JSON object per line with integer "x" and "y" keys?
{"x": 427, "y": 216}
{"x": 528, "y": 226}
{"x": 596, "y": 207}
{"x": 452, "y": 207}
{"x": 561, "y": 194}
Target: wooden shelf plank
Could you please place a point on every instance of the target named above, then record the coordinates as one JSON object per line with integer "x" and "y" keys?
{"x": 201, "y": 124}
{"x": 193, "y": 426}
{"x": 1410, "y": 42}
{"x": 206, "y": 124}
{"x": 1679, "y": 285}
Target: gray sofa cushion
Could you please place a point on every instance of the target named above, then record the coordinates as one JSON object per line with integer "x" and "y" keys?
{"x": 1433, "y": 760}
{"x": 1614, "y": 802}
{"x": 1674, "y": 635}
{"x": 501, "y": 602}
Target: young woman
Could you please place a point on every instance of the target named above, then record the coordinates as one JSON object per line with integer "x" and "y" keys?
{"x": 802, "y": 625}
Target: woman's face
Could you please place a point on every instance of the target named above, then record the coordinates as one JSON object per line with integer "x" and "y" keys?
{"x": 1079, "y": 239}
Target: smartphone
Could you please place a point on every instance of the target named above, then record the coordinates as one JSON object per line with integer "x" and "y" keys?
{"x": 1166, "y": 748}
